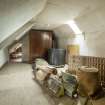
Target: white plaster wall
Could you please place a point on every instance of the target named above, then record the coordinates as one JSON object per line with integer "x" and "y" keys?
{"x": 67, "y": 39}
{"x": 15, "y": 13}
{"x": 93, "y": 24}
{"x": 25, "y": 47}
{"x": 88, "y": 47}
{"x": 3, "y": 56}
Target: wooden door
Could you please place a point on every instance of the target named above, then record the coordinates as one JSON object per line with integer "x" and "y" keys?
{"x": 40, "y": 42}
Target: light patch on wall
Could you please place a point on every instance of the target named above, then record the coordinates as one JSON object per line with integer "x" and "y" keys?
{"x": 74, "y": 27}
{"x": 79, "y": 39}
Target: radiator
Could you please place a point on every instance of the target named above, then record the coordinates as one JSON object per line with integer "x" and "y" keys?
{"x": 98, "y": 62}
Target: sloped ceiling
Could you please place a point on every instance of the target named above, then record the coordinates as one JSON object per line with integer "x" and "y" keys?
{"x": 92, "y": 22}
{"x": 52, "y": 14}
{"x": 15, "y": 13}
{"x": 58, "y": 12}
{"x": 89, "y": 16}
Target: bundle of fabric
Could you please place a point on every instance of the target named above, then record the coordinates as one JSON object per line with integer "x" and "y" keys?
{"x": 55, "y": 85}
{"x": 43, "y": 74}
{"x": 61, "y": 69}
{"x": 42, "y": 70}
{"x": 70, "y": 84}
{"x": 40, "y": 63}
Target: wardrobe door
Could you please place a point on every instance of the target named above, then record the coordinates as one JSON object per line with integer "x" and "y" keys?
{"x": 40, "y": 42}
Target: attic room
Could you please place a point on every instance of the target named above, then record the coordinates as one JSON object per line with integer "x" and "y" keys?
{"x": 52, "y": 52}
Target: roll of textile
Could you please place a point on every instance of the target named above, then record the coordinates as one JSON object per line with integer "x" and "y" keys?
{"x": 87, "y": 81}
{"x": 42, "y": 74}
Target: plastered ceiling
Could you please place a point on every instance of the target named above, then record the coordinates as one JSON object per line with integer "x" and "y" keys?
{"x": 50, "y": 14}
{"x": 16, "y": 13}
{"x": 58, "y": 12}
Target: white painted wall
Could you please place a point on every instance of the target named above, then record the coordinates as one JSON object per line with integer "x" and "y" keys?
{"x": 13, "y": 15}
{"x": 65, "y": 40}
{"x": 3, "y": 56}
{"x": 90, "y": 46}
{"x": 25, "y": 47}
{"x": 93, "y": 24}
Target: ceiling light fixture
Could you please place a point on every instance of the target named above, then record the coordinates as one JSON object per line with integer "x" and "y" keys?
{"x": 74, "y": 27}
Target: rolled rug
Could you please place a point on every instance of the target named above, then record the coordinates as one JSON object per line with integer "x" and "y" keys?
{"x": 87, "y": 80}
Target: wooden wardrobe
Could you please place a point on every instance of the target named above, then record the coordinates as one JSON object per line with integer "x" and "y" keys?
{"x": 39, "y": 41}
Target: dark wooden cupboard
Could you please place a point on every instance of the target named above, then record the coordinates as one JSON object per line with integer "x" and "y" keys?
{"x": 40, "y": 41}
